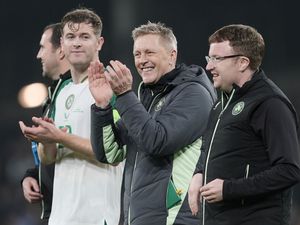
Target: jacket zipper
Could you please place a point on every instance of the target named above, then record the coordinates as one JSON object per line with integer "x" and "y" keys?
{"x": 136, "y": 156}
{"x": 51, "y": 96}
{"x": 209, "y": 149}
{"x": 246, "y": 177}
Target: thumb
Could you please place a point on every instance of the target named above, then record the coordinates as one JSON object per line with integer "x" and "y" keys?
{"x": 64, "y": 129}
{"x": 35, "y": 186}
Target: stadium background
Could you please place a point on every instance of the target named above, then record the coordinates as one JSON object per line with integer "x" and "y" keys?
{"x": 192, "y": 20}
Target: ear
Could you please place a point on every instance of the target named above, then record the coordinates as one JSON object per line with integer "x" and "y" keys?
{"x": 100, "y": 43}
{"x": 173, "y": 57}
{"x": 61, "y": 44}
{"x": 60, "y": 53}
{"x": 243, "y": 63}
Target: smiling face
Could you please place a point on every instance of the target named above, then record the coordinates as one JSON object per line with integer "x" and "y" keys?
{"x": 80, "y": 44}
{"x": 153, "y": 58}
{"x": 224, "y": 72}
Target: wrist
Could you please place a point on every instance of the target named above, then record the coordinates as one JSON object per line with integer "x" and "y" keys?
{"x": 101, "y": 106}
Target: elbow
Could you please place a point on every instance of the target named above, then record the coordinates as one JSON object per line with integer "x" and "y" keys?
{"x": 99, "y": 152}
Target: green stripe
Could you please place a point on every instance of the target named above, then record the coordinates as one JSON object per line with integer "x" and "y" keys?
{"x": 184, "y": 165}
{"x": 113, "y": 152}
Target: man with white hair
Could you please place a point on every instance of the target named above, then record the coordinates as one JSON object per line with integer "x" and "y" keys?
{"x": 159, "y": 132}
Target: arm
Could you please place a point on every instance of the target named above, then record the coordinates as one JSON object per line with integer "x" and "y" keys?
{"x": 104, "y": 134}
{"x": 274, "y": 121}
{"x": 182, "y": 120}
{"x": 48, "y": 136}
{"x": 106, "y": 139}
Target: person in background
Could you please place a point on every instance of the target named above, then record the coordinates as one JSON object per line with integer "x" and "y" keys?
{"x": 38, "y": 188}
{"x": 251, "y": 157}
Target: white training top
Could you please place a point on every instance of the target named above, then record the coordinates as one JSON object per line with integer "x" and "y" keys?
{"x": 85, "y": 191}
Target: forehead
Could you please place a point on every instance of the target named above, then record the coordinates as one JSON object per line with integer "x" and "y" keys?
{"x": 46, "y": 36}
{"x": 75, "y": 28}
{"x": 148, "y": 41}
{"x": 220, "y": 48}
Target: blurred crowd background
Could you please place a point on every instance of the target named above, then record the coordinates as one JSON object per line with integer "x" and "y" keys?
{"x": 193, "y": 21}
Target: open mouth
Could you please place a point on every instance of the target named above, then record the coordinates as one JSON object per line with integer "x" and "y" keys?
{"x": 147, "y": 69}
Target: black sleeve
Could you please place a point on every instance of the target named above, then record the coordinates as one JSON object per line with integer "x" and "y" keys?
{"x": 275, "y": 123}
{"x": 31, "y": 172}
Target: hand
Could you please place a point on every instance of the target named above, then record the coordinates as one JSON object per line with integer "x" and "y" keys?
{"x": 44, "y": 131}
{"x": 31, "y": 190}
{"x": 213, "y": 191}
{"x": 119, "y": 77}
{"x": 99, "y": 86}
{"x": 194, "y": 193}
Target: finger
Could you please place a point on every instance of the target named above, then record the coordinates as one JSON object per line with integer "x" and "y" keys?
{"x": 49, "y": 120}
{"x": 209, "y": 197}
{"x": 92, "y": 68}
{"x": 193, "y": 203}
{"x": 108, "y": 75}
{"x": 22, "y": 126}
{"x": 40, "y": 121}
{"x": 64, "y": 129}
{"x": 117, "y": 68}
{"x": 121, "y": 66}
{"x": 193, "y": 196}
{"x": 204, "y": 188}
{"x": 206, "y": 193}
{"x": 35, "y": 187}
{"x": 34, "y": 195}
{"x": 125, "y": 71}
{"x": 98, "y": 68}
{"x": 30, "y": 136}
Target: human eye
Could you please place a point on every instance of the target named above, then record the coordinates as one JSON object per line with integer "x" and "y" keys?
{"x": 150, "y": 52}
{"x": 86, "y": 37}
{"x": 69, "y": 36}
{"x": 217, "y": 58}
{"x": 214, "y": 59}
{"x": 136, "y": 54}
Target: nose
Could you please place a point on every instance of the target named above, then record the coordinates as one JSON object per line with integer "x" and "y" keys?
{"x": 209, "y": 66}
{"x": 143, "y": 59}
{"x": 77, "y": 42}
{"x": 140, "y": 60}
{"x": 38, "y": 56}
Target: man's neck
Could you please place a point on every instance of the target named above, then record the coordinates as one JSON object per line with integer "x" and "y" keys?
{"x": 78, "y": 75}
{"x": 62, "y": 69}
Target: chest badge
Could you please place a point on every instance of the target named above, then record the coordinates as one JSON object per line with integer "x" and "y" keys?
{"x": 238, "y": 108}
{"x": 159, "y": 104}
{"x": 69, "y": 102}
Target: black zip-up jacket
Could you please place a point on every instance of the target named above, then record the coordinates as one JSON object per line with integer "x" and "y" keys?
{"x": 45, "y": 173}
{"x": 159, "y": 136}
{"x": 251, "y": 143}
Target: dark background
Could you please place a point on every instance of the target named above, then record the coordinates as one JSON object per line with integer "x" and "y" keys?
{"x": 193, "y": 21}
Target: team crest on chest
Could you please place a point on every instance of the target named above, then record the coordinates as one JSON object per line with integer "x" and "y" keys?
{"x": 69, "y": 102}
{"x": 160, "y": 104}
{"x": 238, "y": 108}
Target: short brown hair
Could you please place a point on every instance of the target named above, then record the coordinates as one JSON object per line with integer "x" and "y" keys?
{"x": 244, "y": 40}
{"x": 82, "y": 15}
